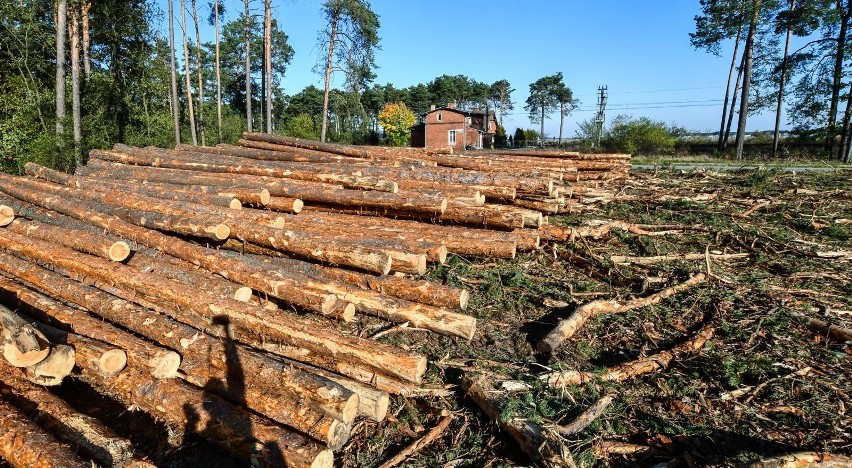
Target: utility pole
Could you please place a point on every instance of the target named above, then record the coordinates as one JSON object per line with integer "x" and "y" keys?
{"x": 600, "y": 117}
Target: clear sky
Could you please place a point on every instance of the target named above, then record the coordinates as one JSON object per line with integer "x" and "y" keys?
{"x": 638, "y": 48}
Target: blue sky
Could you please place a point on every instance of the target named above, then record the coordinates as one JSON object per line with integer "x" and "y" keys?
{"x": 639, "y": 49}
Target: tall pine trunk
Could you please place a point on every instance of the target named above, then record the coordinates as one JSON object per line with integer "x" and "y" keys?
{"x": 74, "y": 36}
{"x": 749, "y": 60}
{"x": 61, "y": 15}
{"x": 845, "y": 137}
{"x": 837, "y": 76}
{"x": 722, "y": 134}
{"x": 328, "y": 64}
{"x": 541, "y": 134}
{"x": 732, "y": 109}
{"x": 781, "y": 82}
{"x": 218, "y": 76}
{"x": 188, "y": 75}
{"x": 267, "y": 37}
{"x": 561, "y": 119}
{"x": 199, "y": 68}
{"x": 247, "y": 33}
{"x": 175, "y": 102}
{"x": 86, "y": 8}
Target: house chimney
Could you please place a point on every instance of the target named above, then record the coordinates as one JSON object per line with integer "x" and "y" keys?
{"x": 432, "y": 107}
{"x": 451, "y": 105}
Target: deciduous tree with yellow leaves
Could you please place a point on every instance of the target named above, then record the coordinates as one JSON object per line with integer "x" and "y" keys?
{"x": 397, "y": 120}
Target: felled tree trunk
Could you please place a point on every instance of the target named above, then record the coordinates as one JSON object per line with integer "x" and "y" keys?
{"x": 25, "y": 445}
{"x": 23, "y": 344}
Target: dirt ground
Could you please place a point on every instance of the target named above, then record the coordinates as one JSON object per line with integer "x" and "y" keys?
{"x": 765, "y": 383}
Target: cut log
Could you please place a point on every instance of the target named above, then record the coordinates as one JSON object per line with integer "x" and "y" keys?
{"x": 804, "y": 460}
{"x": 77, "y": 239}
{"x": 285, "y": 204}
{"x": 624, "y": 260}
{"x": 244, "y": 435}
{"x": 586, "y": 417}
{"x": 63, "y": 421}
{"x": 25, "y": 445}
{"x": 161, "y": 362}
{"x": 265, "y": 379}
{"x": 23, "y": 344}
{"x": 372, "y": 403}
{"x": 530, "y": 436}
{"x": 89, "y": 353}
{"x": 55, "y": 367}
{"x": 7, "y": 215}
{"x": 568, "y": 327}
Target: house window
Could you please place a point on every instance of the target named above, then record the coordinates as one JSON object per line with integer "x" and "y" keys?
{"x": 452, "y": 138}
{"x": 439, "y": 116}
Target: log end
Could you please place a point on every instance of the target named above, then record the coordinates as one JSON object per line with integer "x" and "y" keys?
{"x": 421, "y": 264}
{"x": 324, "y": 459}
{"x": 7, "y": 215}
{"x": 298, "y": 205}
{"x": 25, "y": 347}
{"x": 444, "y": 204}
{"x": 222, "y": 231}
{"x": 243, "y": 294}
{"x": 165, "y": 364}
{"x": 464, "y": 298}
{"x": 338, "y": 434}
{"x": 442, "y": 254}
{"x": 59, "y": 363}
{"x": 348, "y": 312}
{"x": 350, "y": 409}
{"x": 329, "y": 304}
{"x": 264, "y": 197}
{"x": 380, "y": 409}
{"x": 235, "y": 204}
{"x": 112, "y": 362}
{"x": 278, "y": 223}
{"x": 119, "y": 251}
{"x": 24, "y": 359}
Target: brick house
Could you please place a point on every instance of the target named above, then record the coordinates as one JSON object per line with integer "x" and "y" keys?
{"x": 452, "y": 127}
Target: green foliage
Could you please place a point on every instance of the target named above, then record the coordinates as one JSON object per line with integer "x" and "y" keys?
{"x": 640, "y": 136}
{"x": 301, "y": 126}
{"x": 520, "y": 137}
{"x": 397, "y": 120}
{"x": 500, "y": 138}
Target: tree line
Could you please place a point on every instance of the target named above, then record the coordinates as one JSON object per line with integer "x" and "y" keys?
{"x": 766, "y": 73}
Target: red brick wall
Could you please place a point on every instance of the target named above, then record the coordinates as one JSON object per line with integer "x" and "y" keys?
{"x": 438, "y": 132}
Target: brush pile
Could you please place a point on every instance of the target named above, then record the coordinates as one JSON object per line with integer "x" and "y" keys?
{"x": 204, "y": 285}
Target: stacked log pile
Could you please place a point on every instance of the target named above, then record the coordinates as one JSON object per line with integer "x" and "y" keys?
{"x": 202, "y": 285}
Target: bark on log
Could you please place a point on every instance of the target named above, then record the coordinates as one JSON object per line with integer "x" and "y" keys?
{"x": 77, "y": 239}
{"x": 55, "y": 367}
{"x": 244, "y": 435}
{"x": 285, "y": 204}
{"x": 568, "y": 327}
{"x": 430, "y": 436}
{"x": 25, "y": 445}
{"x": 628, "y": 370}
{"x": 805, "y": 459}
{"x": 7, "y": 215}
{"x": 63, "y": 421}
{"x": 206, "y": 359}
{"x": 624, "y": 260}
{"x": 586, "y": 417}
{"x": 372, "y": 403}
{"x": 253, "y": 320}
{"x": 530, "y": 436}
{"x": 23, "y": 344}
{"x": 161, "y": 362}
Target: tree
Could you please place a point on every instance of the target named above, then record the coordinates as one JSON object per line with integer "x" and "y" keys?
{"x": 174, "y": 101}
{"x": 748, "y": 61}
{"x": 567, "y": 103}
{"x": 544, "y": 99}
{"x": 85, "y": 10}
{"x": 500, "y": 97}
{"x": 397, "y": 120}
{"x": 783, "y": 79}
{"x": 74, "y": 35}
{"x": 187, "y": 75}
{"x": 350, "y": 39}
{"x": 247, "y": 36}
{"x": 520, "y": 137}
{"x": 217, "y": 9}
{"x": 267, "y": 61}
{"x": 199, "y": 69}
{"x": 61, "y": 15}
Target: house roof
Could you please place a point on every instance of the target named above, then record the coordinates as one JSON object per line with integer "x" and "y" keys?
{"x": 460, "y": 111}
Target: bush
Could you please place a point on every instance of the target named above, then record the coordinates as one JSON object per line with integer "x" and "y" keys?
{"x": 640, "y": 136}
{"x": 301, "y": 126}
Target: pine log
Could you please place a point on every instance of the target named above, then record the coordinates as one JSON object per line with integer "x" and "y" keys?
{"x": 263, "y": 154}
{"x": 244, "y": 435}
{"x": 284, "y": 327}
{"x": 532, "y": 439}
{"x": 23, "y": 344}
{"x": 89, "y": 353}
{"x": 7, "y": 214}
{"x": 389, "y": 308}
{"x": 77, "y": 239}
{"x": 586, "y": 417}
{"x": 805, "y": 460}
{"x": 55, "y": 367}
{"x": 569, "y": 326}
{"x": 277, "y": 284}
{"x": 285, "y": 204}
{"x": 206, "y": 360}
{"x": 346, "y": 180}
{"x": 23, "y": 444}
{"x": 372, "y": 403}
{"x": 161, "y": 362}
{"x": 63, "y": 421}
